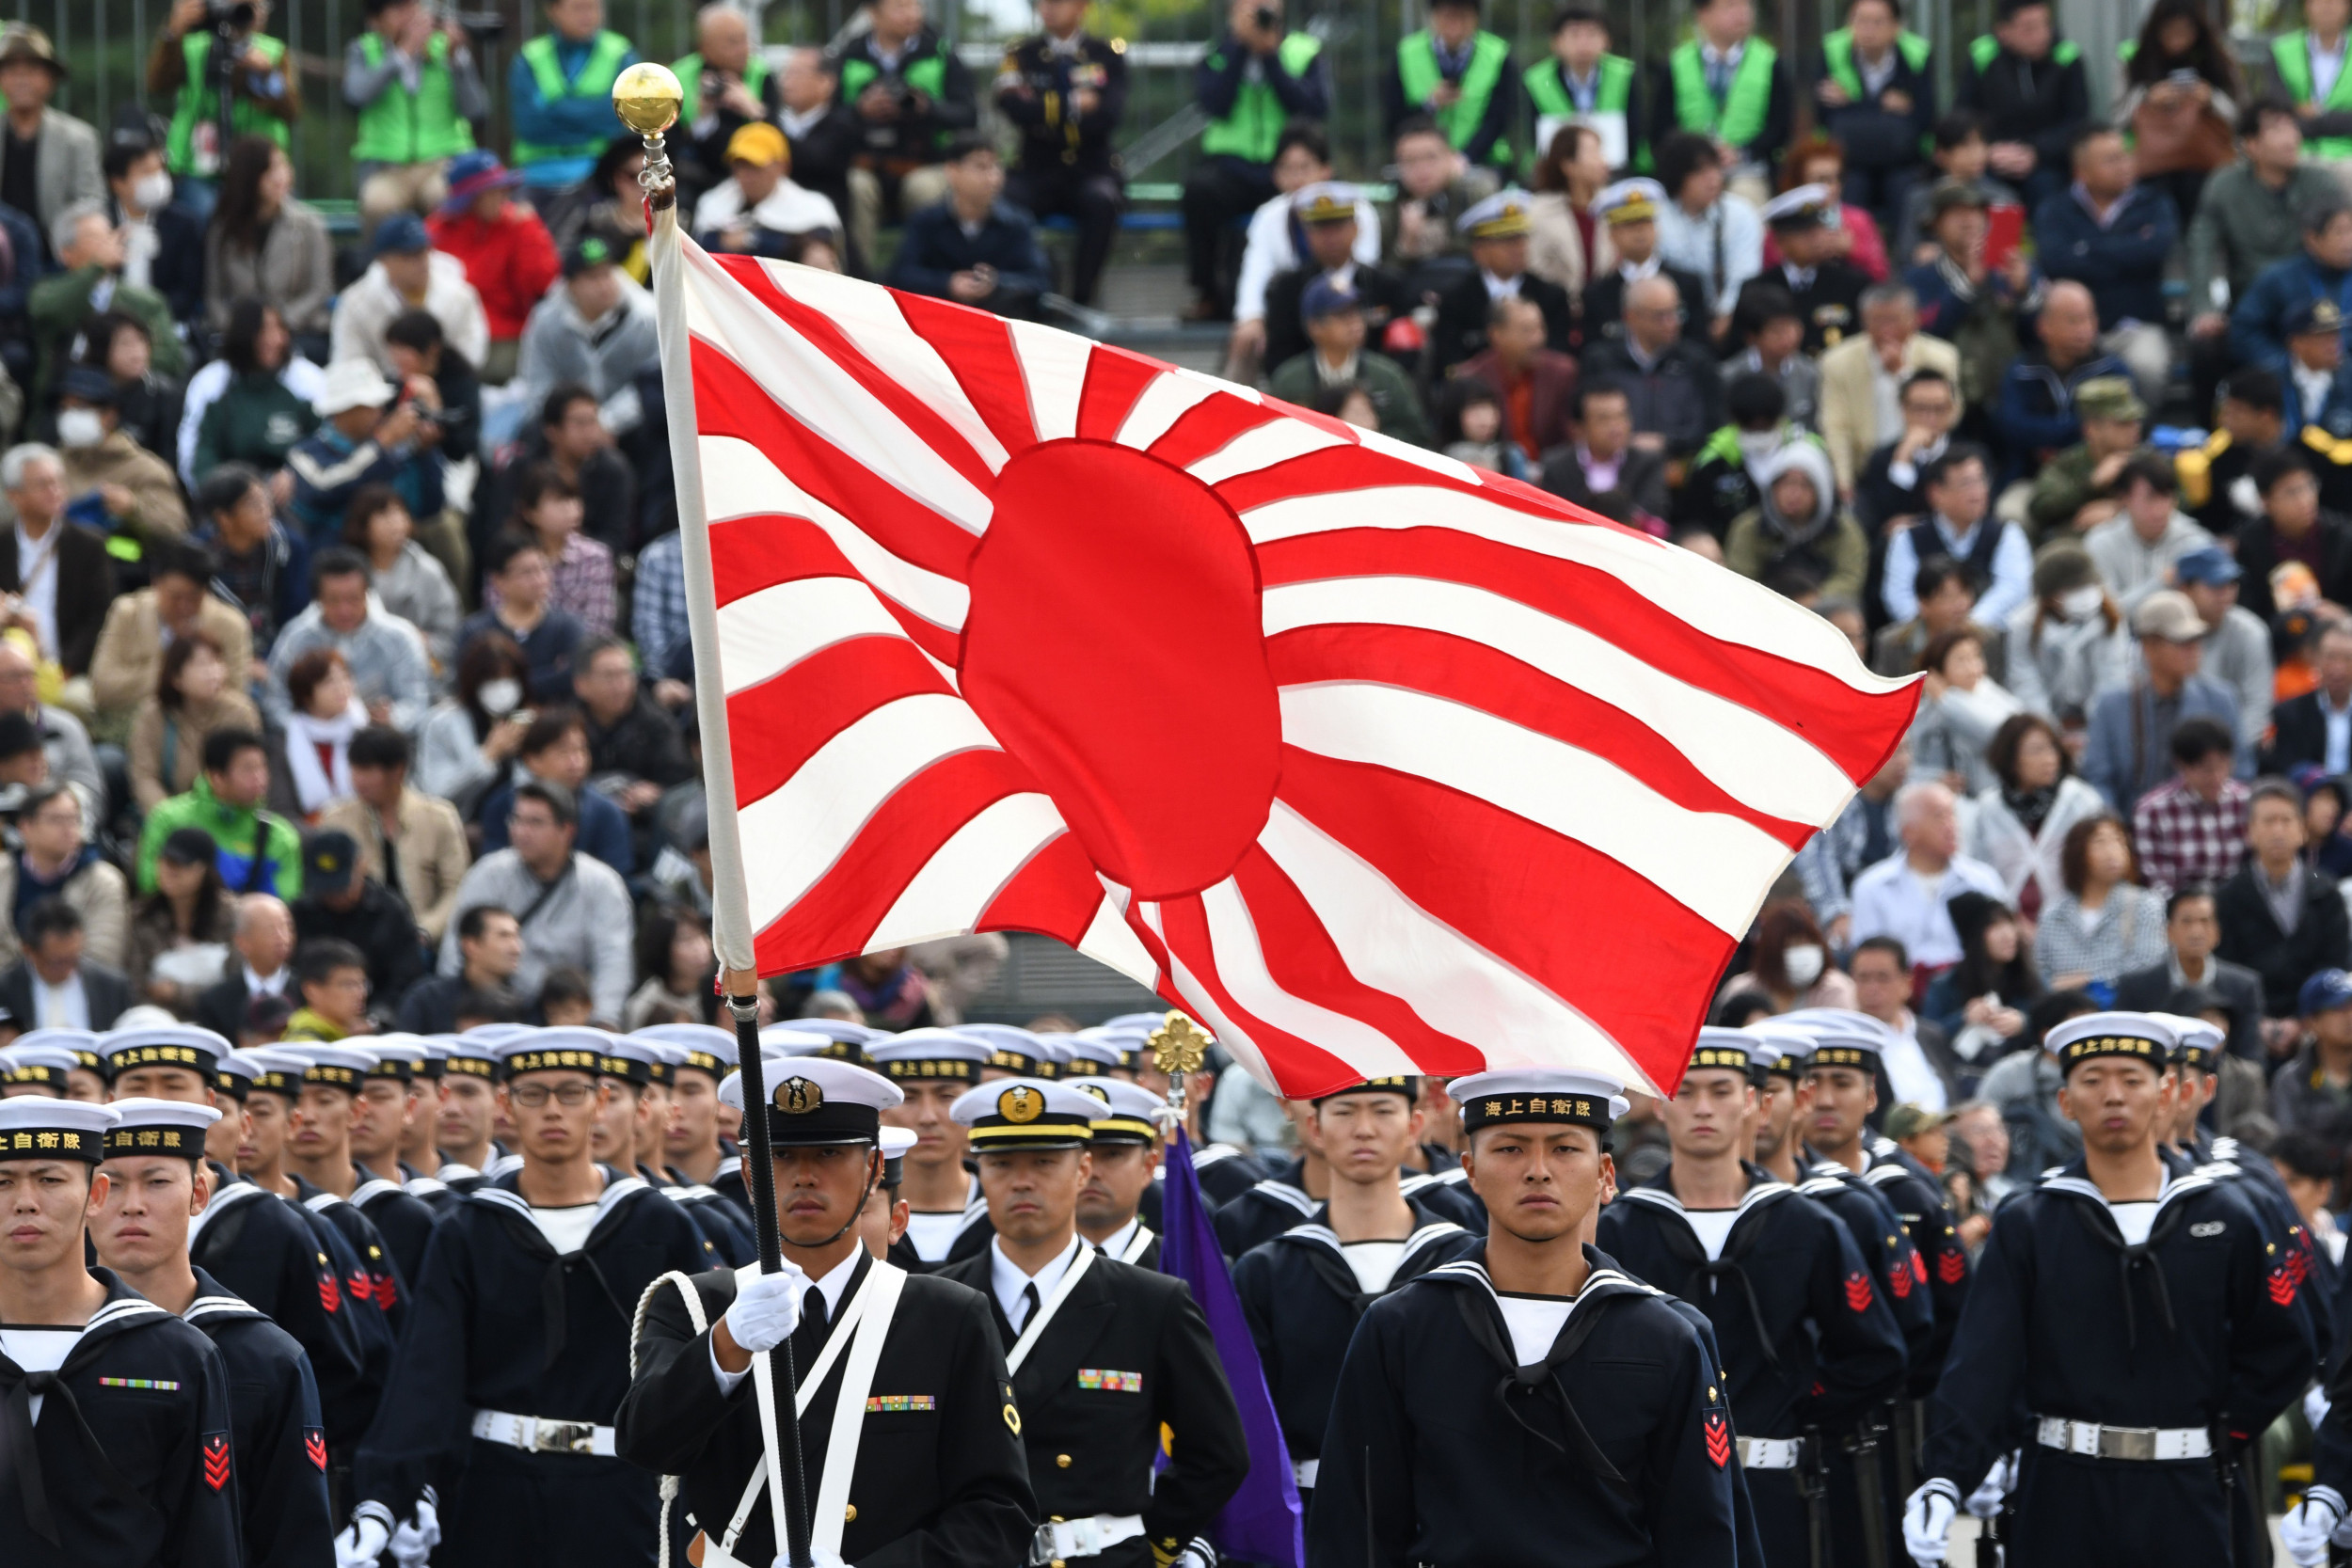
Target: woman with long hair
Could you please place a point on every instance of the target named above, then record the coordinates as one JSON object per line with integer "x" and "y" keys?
{"x": 2178, "y": 98}
{"x": 2022, "y": 817}
{"x": 265, "y": 244}
{"x": 1789, "y": 965}
{"x": 1566, "y": 243}
{"x": 195, "y": 693}
{"x": 326, "y": 713}
{"x": 470, "y": 736}
{"x": 1982, "y": 1000}
{"x": 674, "y": 953}
{"x": 253, "y": 403}
{"x": 183, "y": 927}
{"x": 2106, "y": 924}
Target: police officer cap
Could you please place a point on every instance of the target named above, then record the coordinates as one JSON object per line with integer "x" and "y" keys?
{"x": 1634, "y": 201}
{"x": 2137, "y": 1036}
{"x": 936, "y": 1054}
{"x": 1501, "y": 216}
{"x": 1568, "y": 1096}
{"x": 182, "y": 1045}
{"x": 706, "y": 1049}
{"x": 574, "y": 1048}
{"x": 167, "y": 1127}
{"x": 1132, "y": 1110}
{"x": 35, "y": 1126}
{"x": 1807, "y": 207}
{"x": 1027, "y": 1112}
{"x": 88, "y": 1045}
{"x": 2326, "y": 991}
{"x": 41, "y": 1068}
{"x": 817, "y": 1103}
{"x": 2315, "y": 317}
{"x": 1732, "y": 1049}
{"x": 1015, "y": 1050}
{"x": 1326, "y": 202}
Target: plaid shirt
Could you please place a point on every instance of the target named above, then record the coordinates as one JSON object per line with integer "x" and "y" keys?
{"x": 657, "y": 606}
{"x": 580, "y": 582}
{"x": 2184, "y": 838}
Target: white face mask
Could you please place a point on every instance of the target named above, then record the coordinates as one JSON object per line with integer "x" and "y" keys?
{"x": 1803, "y": 963}
{"x": 2081, "y": 604}
{"x": 80, "y": 427}
{"x": 500, "y": 698}
{"x": 1757, "y": 445}
{"x": 152, "y": 191}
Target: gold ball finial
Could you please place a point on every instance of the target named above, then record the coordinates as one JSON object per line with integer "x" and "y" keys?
{"x": 648, "y": 96}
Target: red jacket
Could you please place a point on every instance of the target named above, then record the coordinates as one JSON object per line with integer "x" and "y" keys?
{"x": 510, "y": 263}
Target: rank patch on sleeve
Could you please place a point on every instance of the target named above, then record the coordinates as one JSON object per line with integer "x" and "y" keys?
{"x": 1858, "y": 1292}
{"x": 1110, "y": 1382}
{"x": 314, "y": 1447}
{"x": 1718, "y": 1439}
{"x": 216, "y": 1453}
{"x": 879, "y": 1404}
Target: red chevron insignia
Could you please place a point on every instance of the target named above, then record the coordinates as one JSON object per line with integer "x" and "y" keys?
{"x": 361, "y": 1289}
{"x": 216, "y": 1459}
{"x": 1918, "y": 1266}
{"x": 1952, "y": 1267}
{"x": 386, "y": 1291}
{"x": 1899, "y": 1282}
{"x": 331, "y": 1294}
{"x": 315, "y": 1446}
{"x": 2281, "y": 1285}
{"x": 1718, "y": 1440}
{"x": 2298, "y": 1265}
{"x": 1858, "y": 1292}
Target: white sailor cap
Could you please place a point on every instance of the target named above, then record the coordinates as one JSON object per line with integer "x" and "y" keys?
{"x": 175, "y": 1128}
{"x": 816, "y": 1101}
{"x": 921, "y": 1053}
{"x": 1734, "y": 1049}
{"x": 797, "y": 1038}
{"x": 1014, "y": 1050}
{"x": 436, "y": 1049}
{"x": 399, "y": 1057}
{"x": 273, "y": 1069}
{"x": 475, "y": 1053}
{"x": 1841, "y": 1036}
{"x": 2199, "y": 1043}
{"x": 1805, "y": 207}
{"x": 1326, "y": 202}
{"x": 1501, "y": 216}
{"x": 1780, "y": 1048}
{"x": 573, "y": 1047}
{"x": 707, "y": 1048}
{"x": 632, "y": 1061}
{"x": 1140, "y": 1023}
{"x": 87, "y": 1044}
{"x": 234, "y": 1076}
{"x": 1635, "y": 200}
{"x": 837, "y": 1029}
{"x": 35, "y": 1126}
{"x": 1133, "y": 1110}
{"x": 1574, "y": 1097}
{"x": 2138, "y": 1037}
{"x": 337, "y": 1066}
{"x": 1027, "y": 1112}
{"x": 41, "y": 1068}
{"x": 180, "y": 1045}
{"x": 895, "y": 1141}
{"x": 1092, "y": 1049}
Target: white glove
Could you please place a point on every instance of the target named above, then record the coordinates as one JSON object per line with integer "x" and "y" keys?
{"x": 428, "y": 1518}
{"x": 409, "y": 1548}
{"x": 362, "y": 1544}
{"x": 1928, "y": 1523}
{"x": 2315, "y": 1405}
{"x": 815, "y": 1557}
{"x": 2308, "y": 1524}
{"x": 767, "y": 1310}
{"x": 1985, "y": 1501}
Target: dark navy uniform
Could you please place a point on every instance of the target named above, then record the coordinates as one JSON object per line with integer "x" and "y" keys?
{"x": 1225, "y": 1173}
{"x": 1303, "y": 1302}
{"x": 378, "y": 1281}
{"x": 1271, "y": 1206}
{"x": 1065, "y": 164}
{"x": 1918, "y": 1200}
{"x": 727, "y": 1238}
{"x": 137, "y": 1464}
{"x": 405, "y": 1223}
{"x": 278, "y": 1434}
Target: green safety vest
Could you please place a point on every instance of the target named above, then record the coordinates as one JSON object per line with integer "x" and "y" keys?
{"x": 1548, "y": 91}
{"x": 690, "y": 76}
{"x": 200, "y": 105}
{"x": 2293, "y": 57}
{"x": 1417, "y": 70}
{"x": 403, "y": 127}
{"x": 1249, "y": 128}
{"x": 1982, "y": 49}
{"x": 1837, "y": 49}
{"x": 594, "y": 81}
{"x": 927, "y": 75}
{"x": 1738, "y": 119}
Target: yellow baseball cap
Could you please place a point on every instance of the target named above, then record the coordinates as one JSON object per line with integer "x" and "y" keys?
{"x": 758, "y": 143}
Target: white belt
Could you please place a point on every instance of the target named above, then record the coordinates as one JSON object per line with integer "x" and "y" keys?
{"x": 540, "y": 1434}
{"x": 1769, "y": 1453}
{"x": 2144, "y": 1444}
{"x": 1305, "y": 1470}
{"x": 1090, "y": 1537}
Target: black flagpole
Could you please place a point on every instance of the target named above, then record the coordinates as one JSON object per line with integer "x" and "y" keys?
{"x": 760, "y": 1177}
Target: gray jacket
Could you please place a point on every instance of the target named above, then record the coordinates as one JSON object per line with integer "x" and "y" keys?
{"x": 294, "y": 270}
{"x": 2126, "y": 756}
{"x": 385, "y": 655}
{"x": 603, "y": 357}
{"x": 66, "y": 166}
{"x": 583, "y": 921}
{"x": 2237, "y": 653}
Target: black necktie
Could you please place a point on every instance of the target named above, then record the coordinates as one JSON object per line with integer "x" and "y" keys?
{"x": 813, "y": 1308}
{"x": 1029, "y": 1303}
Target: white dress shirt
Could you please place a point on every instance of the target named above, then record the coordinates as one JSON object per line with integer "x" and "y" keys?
{"x": 1892, "y": 899}
{"x": 1009, "y": 1284}
{"x": 37, "y": 580}
{"x": 60, "y": 1007}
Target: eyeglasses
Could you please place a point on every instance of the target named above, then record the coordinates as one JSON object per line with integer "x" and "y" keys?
{"x": 533, "y": 1097}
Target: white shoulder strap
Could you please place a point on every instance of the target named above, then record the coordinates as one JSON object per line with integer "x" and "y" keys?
{"x": 1138, "y": 1244}
{"x": 848, "y": 1414}
{"x": 1035, "y": 1328}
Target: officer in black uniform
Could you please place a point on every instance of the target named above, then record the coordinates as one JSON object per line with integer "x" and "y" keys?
{"x": 114, "y": 1414}
{"x": 1826, "y": 287}
{"x": 502, "y": 1394}
{"x": 1109, "y": 1362}
{"x": 1124, "y": 1171}
{"x": 2134, "y": 1313}
{"x": 1530, "y": 1402}
{"x": 936, "y": 1474}
{"x": 155, "y": 1178}
{"x": 1810, "y": 1348}
{"x": 1305, "y": 1289}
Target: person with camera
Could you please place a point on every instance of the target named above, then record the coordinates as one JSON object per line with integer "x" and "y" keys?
{"x": 1067, "y": 90}
{"x": 728, "y": 86}
{"x": 249, "y": 70}
{"x": 1253, "y": 82}
{"x": 48, "y": 159}
{"x": 560, "y": 93}
{"x": 910, "y": 96}
{"x": 375, "y": 433}
{"x": 417, "y": 91}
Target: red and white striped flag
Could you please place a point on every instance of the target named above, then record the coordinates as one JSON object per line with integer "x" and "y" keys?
{"x": 1371, "y": 761}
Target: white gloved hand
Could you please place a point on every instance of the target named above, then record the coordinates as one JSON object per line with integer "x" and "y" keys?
{"x": 2315, "y": 1405}
{"x": 2308, "y": 1524}
{"x": 1985, "y": 1501}
{"x": 767, "y": 1310}
{"x": 362, "y": 1544}
{"x": 1928, "y": 1523}
{"x": 428, "y": 1518}
{"x": 408, "y": 1547}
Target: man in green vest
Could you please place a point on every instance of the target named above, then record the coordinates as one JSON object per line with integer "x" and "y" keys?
{"x": 2308, "y": 67}
{"x": 1725, "y": 83}
{"x": 417, "y": 92}
{"x": 1581, "y": 82}
{"x": 728, "y": 86}
{"x": 560, "y": 93}
{"x": 2029, "y": 86}
{"x": 910, "y": 95}
{"x": 266, "y": 97}
{"x": 1459, "y": 75}
{"x": 1876, "y": 92}
{"x": 1251, "y": 83}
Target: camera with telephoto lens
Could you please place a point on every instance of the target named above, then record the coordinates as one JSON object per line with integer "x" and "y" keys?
{"x": 230, "y": 16}
{"x": 1268, "y": 19}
